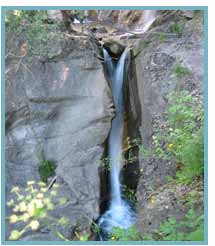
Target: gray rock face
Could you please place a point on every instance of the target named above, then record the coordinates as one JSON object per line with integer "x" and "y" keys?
{"x": 156, "y": 77}
{"x": 60, "y": 105}
{"x": 166, "y": 202}
{"x": 156, "y": 63}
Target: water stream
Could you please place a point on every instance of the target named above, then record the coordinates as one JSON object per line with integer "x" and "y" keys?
{"x": 119, "y": 213}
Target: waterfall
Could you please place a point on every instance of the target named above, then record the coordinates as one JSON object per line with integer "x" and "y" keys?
{"x": 149, "y": 17}
{"x": 109, "y": 66}
{"x": 119, "y": 213}
{"x": 116, "y": 133}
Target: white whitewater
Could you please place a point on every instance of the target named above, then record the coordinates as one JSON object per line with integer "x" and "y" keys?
{"x": 119, "y": 213}
{"x": 116, "y": 133}
{"x": 149, "y": 17}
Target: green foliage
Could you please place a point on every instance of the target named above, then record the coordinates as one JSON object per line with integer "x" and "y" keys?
{"x": 46, "y": 168}
{"x": 192, "y": 157}
{"x": 168, "y": 230}
{"x": 182, "y": 138}
{"x": 105, "y": 163}
{"x": 177, "y": 28}
{"x": 128, "y": 193}
{"x": 191, "y": 228}
{"x": 185, "y": 134}
{"x": 35, "y": 29}
{"x": 84, "y": 236}
{"x": 181, "y": 71}
{"x": 191, "y": 198}
{"x": 120, "y": 234}
{"x": 197, "y": 235}
{"x": 32, "y": 207}
{"x": 169, "y": 178}
{"x": 95, "y": 228}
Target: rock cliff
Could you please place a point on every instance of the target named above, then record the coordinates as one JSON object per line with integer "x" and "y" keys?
{"x": 60, "y": 104}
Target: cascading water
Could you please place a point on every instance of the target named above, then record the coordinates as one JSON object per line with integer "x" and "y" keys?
{"x": 119, "y": 213}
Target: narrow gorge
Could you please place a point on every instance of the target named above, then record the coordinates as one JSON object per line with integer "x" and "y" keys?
{"x": 99, "y": 105}
{"x": 119, "y": 213}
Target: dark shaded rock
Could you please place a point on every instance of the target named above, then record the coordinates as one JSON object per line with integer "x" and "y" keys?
{"x": 113, "y": 47}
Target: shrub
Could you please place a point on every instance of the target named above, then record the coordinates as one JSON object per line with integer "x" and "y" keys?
{"x": 185, "y": 134}
{"x": 192, "y": 156}
{"x": 34, "y": 28}
{"x": 182, "y": 138}
{"x": 191, "y": 228}
{"x": 121, "y": 234}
